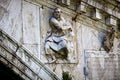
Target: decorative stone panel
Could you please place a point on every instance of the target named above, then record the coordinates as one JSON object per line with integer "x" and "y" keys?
{"x": 11, "y": 20}
{"x": 100, "y": 65}
{"x": 31, "y": 27}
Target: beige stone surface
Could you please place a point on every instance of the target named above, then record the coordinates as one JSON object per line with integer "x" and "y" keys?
{"x": 28, "y": 23}
{"x": 102, "y": 66}
{"x": 11, "y": 20}
{"x": 31, "y": 27}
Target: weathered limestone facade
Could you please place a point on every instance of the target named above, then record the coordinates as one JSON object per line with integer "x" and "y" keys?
{"x": 27, "y": 21}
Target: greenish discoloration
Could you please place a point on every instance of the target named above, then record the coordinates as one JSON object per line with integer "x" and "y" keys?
{"x": 66, "y": 76}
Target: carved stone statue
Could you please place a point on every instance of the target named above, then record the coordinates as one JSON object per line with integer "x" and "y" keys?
{"x": 58, "y": 37}
{"x": 108, "y": 40}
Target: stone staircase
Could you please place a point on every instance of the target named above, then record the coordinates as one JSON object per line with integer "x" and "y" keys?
{"x": 21, "y": 61}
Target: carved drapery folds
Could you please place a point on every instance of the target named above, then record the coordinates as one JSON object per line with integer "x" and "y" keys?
{"x": 59, "y": 39}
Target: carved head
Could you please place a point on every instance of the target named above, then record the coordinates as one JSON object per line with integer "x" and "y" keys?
{"x": 57, "y": 13}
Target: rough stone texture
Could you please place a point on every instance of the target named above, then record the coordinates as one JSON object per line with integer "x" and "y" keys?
{"x": 12, "y": 61}
{"x": 11, "y": 21}
{"x": 31, "y": 27}
{"x": 102, "y": 66}
{"x": 21, "y": 20}
{"x": 28, "y": 21}
{"x": 22, "y": 62}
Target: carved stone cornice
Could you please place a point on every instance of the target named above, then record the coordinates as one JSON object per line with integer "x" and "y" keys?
{"x": 106, "y": 7}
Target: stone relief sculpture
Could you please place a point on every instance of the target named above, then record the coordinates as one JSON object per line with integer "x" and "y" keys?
{"x": 108, "y": 40}
{"x": 58, "y": 40}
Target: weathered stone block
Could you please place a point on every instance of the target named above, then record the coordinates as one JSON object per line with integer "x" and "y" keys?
{"x": 24, "y": 77}
{"x": 81, "y": 8}
{"x": 34, "y": 49}
{"x": 31, "y": 27}
{"x": 96, "y": 14}
{"x": 111, "y": 21}
{"x": 43, "y": 74}
{"x": 31, "y": 74}
{"x": 3, "y": 52}
{"x": 11, "y": 19}
{"x": 9, "y": 44}
{"x": 9, "y": 57}
{"x": 64, "y": 2}
{"x": 102, "y": 65}
{"x": 35, "y": 67}
{"x": 20, "y": 53}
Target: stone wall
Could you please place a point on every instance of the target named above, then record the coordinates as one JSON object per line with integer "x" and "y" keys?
{"x": 27, "y": 21}
{"x": 22, "y": 23}
{"x": 102, "y": 66}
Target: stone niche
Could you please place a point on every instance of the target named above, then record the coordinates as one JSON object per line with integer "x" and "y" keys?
{"x": 102, "y": 66}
